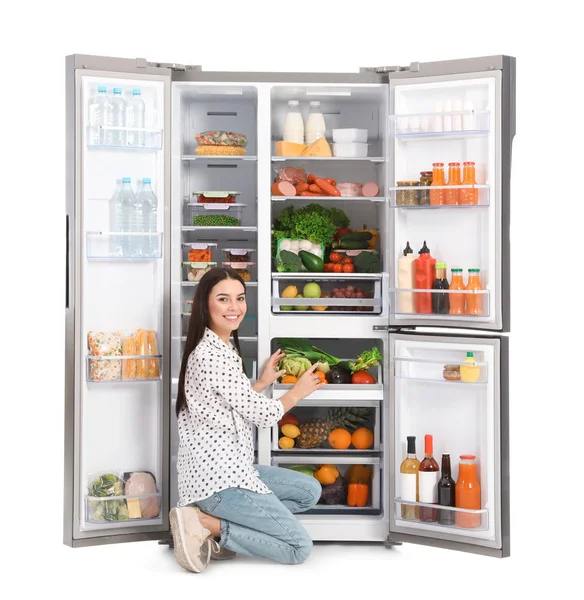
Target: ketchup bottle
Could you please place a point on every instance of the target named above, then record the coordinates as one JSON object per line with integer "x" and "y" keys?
{"x": 424, "y": 276}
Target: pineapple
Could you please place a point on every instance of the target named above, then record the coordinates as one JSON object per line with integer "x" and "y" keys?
{"x": 315, "y": 431}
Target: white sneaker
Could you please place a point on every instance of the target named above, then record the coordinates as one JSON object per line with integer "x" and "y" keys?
{"x": 193, "y": 543}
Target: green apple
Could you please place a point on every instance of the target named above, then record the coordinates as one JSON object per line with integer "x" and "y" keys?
{"x": 300, "y": 307}
{"x": 311, "y": 290}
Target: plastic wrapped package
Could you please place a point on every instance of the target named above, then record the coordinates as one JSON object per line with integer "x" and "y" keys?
{"x": 293, "y": 175}
{"x": 225, "y": 143}
{"x": 105, "y": 344}
{"x": 139, "y": 483}
{"x": 101, "y": 487}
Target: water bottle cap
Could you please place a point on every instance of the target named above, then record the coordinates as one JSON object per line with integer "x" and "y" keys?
{"x": 146, "y": 180}
{"x": 117, "y": 90}
{"x": 101, "y": 88}
{"x": 126, "y": 180}
{"x": 136, "y": 92}
{"x": 315, "y": 103}
{"x": 292, "y": 102}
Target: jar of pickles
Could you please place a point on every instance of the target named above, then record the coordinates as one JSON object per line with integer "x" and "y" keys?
{"x": 425, "y": 181}
{"x": 407, "y": 196}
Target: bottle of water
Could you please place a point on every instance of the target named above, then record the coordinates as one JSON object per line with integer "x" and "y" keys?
{"x": 147, "y": 210}
{"x": 118, "y": 118}
{"x": 135, "y": 117}
{"x": 125, "y": 219}
{"x": 100, "y": 113}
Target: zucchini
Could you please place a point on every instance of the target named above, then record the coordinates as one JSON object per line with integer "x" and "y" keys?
{"x": 351, "y": 245}
{"x": 312, "y": 262}
{"x": 357, "y": 236}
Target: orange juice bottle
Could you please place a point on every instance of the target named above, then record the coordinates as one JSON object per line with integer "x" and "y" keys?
{"x": 474, "y": 302}
{"x": 456, "y": 300}
{"x": 467, "y": 492}
{"x": 437, "y": 196}
{"x": 469, "y": 195}
{"x": 451, "y": 196}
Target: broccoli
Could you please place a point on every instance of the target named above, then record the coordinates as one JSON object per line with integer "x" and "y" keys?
{"x": 289, "y": 262}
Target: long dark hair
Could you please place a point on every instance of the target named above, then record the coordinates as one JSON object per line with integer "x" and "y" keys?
{"x": 201, "y": 318}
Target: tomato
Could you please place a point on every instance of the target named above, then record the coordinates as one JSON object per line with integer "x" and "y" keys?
{"x": 362, "y": 377}
{"x": 328, "y": 267}
{"x": 347, "y": 268}
{"x": 335, "y": 257}
{"x": 347, "y": 260}
{"x": 338, "y": 268}
{"x": 342, "y": 230}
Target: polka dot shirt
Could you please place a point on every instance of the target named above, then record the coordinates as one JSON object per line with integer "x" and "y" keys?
{"x": 216, "y": 429}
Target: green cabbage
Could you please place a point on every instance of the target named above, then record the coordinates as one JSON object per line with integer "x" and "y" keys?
{"x": 295, "y": 366}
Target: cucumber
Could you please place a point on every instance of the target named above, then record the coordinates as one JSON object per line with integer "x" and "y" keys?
{"x": 357, "y": 236}
{"x": 352, "y": 245}
{"x": 312, "y": 262}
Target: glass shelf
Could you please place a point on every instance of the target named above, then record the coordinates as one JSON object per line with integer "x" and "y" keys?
{"x": 152, "y": 139}
{"x": 335, "y": 198}
{"x": 192, "y": 283}
{"x": 216, "y": 157}
{"x": 109, "y": 369}
{"x": 109, "y": 245}
{"x": 479, "y": 517}
{"x": 372, "y": 159}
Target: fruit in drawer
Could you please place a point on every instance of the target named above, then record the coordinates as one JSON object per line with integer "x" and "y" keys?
{"x": 288, "y": 419}
{"x": 290, "y": 431}
{"x": 306, "y": 469}
{"x": 327, "y": 474}
{"x": 311, "y": 290}
{"x": 362, "y": 438}
{"x": 315, "y": 431}
{"x": 286, "y": 443}
{"x": 290, "y": 292}
{"x": 339, "y": 439}
{"x": 335, "y": 493}
{"x": 359, "y": 473}
{"x": 298, "y": 306}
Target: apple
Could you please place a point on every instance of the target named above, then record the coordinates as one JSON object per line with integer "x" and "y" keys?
{"x": 311, "y": 290}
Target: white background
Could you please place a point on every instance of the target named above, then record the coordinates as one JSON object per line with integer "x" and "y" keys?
{"x": 547, "y": 297}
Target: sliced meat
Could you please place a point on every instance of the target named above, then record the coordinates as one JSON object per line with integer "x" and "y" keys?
{"x": 143, "y": 482}
{"x": 370, "y": 189}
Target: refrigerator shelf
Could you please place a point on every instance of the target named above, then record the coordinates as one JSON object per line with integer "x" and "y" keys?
{"x": 325, "y": 198}
{"x": 431, "y": 125}
{"x": 420, "y": 370}
{"x": 191, "y": 283}
{"x": 242, "y": 338}
{"x": 481, "y": 517}
{"x": 233, "y": 233}
{"x": 452, "y": 135}
{"x": 108, "y": 245}
{"x": 341, "y": 277}
{"x": 342, "y": 391}
{"x": 107, "y": 373}
{"x": 94, "y": 508}
{"x": 483, "y": 196}
{"x": 441, "y": 382}
{"x": 153, "y": 139}
{"x": 371, "y": 159}
{"x": 216, "y": 158}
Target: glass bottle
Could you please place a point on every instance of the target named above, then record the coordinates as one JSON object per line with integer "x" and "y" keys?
{"x": 315, "y": 125}
{"x": 456, "y": 300}
{"x": 437, "y": 196}
{"x": 446, "y": 493}
{"x": 407, "y": 196}
{"x": 408, "y": 481}
{"x": 294, "y": 124}
{"x": 467, "y": 492}
{"x": 429, "y": 473}
{"x": 451, "y": 196}
{"x": 440, "y": 302}
{"x": 469, "y": 195}
{"x": 425, "y": 181}
{"x": 474, "y": 302}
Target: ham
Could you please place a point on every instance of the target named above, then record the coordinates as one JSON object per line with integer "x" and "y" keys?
{"x": 139, "y": 483}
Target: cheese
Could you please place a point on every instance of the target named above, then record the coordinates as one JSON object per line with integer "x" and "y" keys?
{"x": 134, "y": 511}
{"x": 289, "y": 149}
{"x": 319, "y": 148}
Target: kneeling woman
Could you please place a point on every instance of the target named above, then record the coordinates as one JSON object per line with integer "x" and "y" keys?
{"x": 222, "y": 494}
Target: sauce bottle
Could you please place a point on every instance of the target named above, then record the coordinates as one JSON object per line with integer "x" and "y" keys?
{"x": 469, "y": 195}
{"x": 467, "y": 492}
{"x": 405, "y": 280}
{"x": 440, "y": 302}
{"x": 456, "y": 300}
{"x": 451, "y": 196}
{"x": 424, "y": 276}
{"x": 469, "y": 370}
{"x": 437, "y": 196}
{"x": 446, "y": 493}
{"x": 474, "y": 302}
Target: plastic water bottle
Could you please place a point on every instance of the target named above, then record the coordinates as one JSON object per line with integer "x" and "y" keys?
{"x": 135, "y": 117}
{"x": 118, "y": 118}
{"x": 125, "y": 219}
{"x": 147, "y": 210}
{"x": 100, "y": 113}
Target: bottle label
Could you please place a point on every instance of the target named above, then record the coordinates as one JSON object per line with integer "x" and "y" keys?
{"x": 407, "y": 486}
{"x": 429, "y": 486}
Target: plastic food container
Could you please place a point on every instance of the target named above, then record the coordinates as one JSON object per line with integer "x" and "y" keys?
{"x": 243, "y": 269}
{"x": 199, "y": 252}
{"x": 196, "y": 270}
{"x": 345, "y": 136}
{"x": 238, "y": 254}
{"x": 350, "y": 150}
{"x": 451, "y": 372}
{"x": 214, "y": 215}
{"x": 213, "y": 197}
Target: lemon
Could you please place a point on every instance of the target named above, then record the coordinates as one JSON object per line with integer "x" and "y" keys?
{"x": 285, "y": 442}
{"x": 290, "y": 431}
{"x": 290, "y": 292}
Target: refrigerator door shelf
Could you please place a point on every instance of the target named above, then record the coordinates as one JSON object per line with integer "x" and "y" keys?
{"x": 301, "y": 159}
{"x": 432, "y": 372}
{"x": 110, "y": 369}
{"x": 484, "y": 307}
{"x": 395, "y": 199}
{"x": 152, "y": 139}
{"x": 463, "y": 124}
{"x": 479, "y": 518}
{"x": 107, "y": 245}
{"x": 327, "y": 198}
{"x": 97, "y": 507}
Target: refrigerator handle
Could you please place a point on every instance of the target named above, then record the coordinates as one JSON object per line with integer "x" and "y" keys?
{"x": 67, "y": 262}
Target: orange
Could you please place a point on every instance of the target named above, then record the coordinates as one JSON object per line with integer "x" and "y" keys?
{"x": 340, "y": 439}
{"x": 362, "y": 438}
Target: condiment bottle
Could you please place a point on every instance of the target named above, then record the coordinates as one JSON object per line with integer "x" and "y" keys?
{"x": 451, "y": 196}
{"x": 424, "y": 276}
{"x": 468, "y": 195}
{"x": 437, "y": 196}
{"x": 429, "y": 473}
{"x": 405, "y": 275}
{"x": 440, "y": 301}
{"x": 426, "y": 181}
{"x": 456, "y": 300}
{"x": 446, "y": 493}
{"x": 469, "y": 370}
{"x": 467, "y": 492}
{"x": 293, "y": 124}
{"x": 474, "y": 302}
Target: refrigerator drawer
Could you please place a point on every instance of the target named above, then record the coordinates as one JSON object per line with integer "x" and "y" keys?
{"x": 337, "y": 478}
{"x": 313, "y": 422}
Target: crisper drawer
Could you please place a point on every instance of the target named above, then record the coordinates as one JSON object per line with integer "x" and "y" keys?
{"x": 331, "y": 427}
{"x": 338, "y": 479}
{"x": 328, "y": 293}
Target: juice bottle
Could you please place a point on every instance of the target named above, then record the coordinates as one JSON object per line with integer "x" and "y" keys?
{"x": 469, "y": 370}
{"x": 437, "y": 196}
{"x": 474, "y": 302}
{"x": 424, "y": 276}
{"x": 467, "y": 493}
{"x": 471, "y": 195}
{"x": 451, "y": 196}
{"x": 456, "y": 300}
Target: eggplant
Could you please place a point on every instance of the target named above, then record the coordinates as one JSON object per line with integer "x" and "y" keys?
{"x": 338, "y": 375}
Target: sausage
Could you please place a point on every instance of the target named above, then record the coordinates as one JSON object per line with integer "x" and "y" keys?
{"x": 310, "y": 178}
{"x": 331, "y": 181}
{"x": 309, "y": 194}
{"x": 327, "y": 187}
{"x": 370, "y": 189}
{"x": 283, "y": 188}
{"x": 301, "y": 187}
{"x": 316, "y": 190}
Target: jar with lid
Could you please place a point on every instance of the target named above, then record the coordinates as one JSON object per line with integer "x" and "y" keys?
{"x": 451, "y": 372}
{"x": 408, "y": 196}
{"x": 425, "y": 181}
{"x": 467, "y": 493}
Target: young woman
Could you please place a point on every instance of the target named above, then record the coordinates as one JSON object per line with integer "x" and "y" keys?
{"x": 222, "y": 494}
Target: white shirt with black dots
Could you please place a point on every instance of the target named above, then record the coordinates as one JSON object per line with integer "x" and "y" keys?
{"x": 216, "y": 430}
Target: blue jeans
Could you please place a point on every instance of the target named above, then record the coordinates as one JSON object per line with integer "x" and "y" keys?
{"x": 263, "y": 524}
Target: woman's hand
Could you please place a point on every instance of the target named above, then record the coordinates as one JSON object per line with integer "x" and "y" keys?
{"x": 307, "y": 383}
{"x": 270, "y": 372}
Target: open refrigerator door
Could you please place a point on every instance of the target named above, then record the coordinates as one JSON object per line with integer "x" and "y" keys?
{"x": 116, "y": 422}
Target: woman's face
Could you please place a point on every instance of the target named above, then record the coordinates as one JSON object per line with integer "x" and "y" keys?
{"x": 227, "y": 307}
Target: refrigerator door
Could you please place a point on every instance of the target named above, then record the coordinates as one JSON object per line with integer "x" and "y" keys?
{"x": 117, "y": 306}
{"x": 463, "y": 418}
{"x": 451, "y": 112}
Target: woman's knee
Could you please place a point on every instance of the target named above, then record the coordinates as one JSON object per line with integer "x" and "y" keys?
{"x": 302, "y": 551}
{"x": 315, "y": 490}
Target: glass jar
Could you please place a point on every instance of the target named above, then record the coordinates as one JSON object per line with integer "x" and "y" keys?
{"x": 407, "y": 196}
{"x": 426, "y": 181}
{"x": 451, "y": 372}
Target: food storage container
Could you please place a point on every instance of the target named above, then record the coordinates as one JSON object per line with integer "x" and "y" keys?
{"x": 296, "y": 245}
{"x": 408, "y": 196}
{"x": 214, "y": 215}
{"x": 199, "y": 252}
{"x": 451, "y": 372}
{"x": 425, "y": 181}
{"x": 211, "y": 197}
{"x": 238, "y": 254}
{"x": 350, "y": 150}
{"x": 196, "y": 270}
{"x": 243, "y": 269}
{"x": 346, "y": 136}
